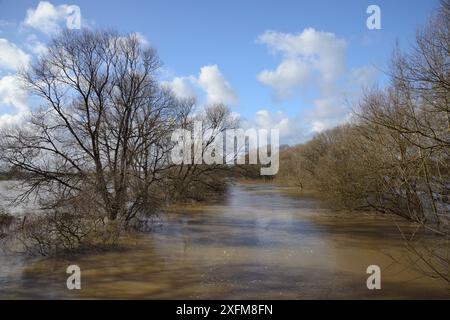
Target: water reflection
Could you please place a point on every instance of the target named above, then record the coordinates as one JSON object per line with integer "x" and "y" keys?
{"x": 258, "y": 243}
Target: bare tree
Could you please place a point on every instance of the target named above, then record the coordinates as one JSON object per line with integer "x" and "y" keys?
{"x": 97, "y": 151}
{"x": 197, "y": 180}
{"x": 103, "y": 126}
{"x": 394, "y": 157}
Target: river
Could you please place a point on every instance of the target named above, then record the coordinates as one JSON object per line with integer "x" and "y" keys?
{"x": 259, "y": 242}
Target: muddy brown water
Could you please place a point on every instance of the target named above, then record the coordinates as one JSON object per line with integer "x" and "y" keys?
{"x": 259, "y": 242}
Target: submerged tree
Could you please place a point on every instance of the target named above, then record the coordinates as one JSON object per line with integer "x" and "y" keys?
{"x": 102, "y": 128}
{"x": 100, "y": 142}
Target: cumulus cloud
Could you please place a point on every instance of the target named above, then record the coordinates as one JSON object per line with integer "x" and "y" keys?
{"x": 210, "y": 80}
{"x": 11, "y": 56}
{"x": 306, "y": 56}
{"x": 314, "y": 60}
{"x": 288, "y": 75}
{"x": 265, "y": 119}
{"x": 35, "y": 46}
{"x": 217, "y": 89}
{"x": 331, "y": 110}
{"x": 12, "y": 95}
{"x": 326, "y": 113}
{"x": 182, "y": 87}
{"x": 48, "y": 18}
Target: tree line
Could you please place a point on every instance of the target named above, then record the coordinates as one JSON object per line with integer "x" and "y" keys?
{"x": 394, "y": 155}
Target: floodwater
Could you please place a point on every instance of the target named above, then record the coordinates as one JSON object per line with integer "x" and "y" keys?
{"x": 260, "y": 242}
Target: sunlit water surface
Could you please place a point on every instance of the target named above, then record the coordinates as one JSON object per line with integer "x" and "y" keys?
{"x": 257, "y": 243}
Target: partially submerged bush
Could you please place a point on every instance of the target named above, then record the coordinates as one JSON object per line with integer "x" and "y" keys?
{"x": 6, "y": 222}
{"x": 67, "y": 226}
{"x": 59, "y": 232}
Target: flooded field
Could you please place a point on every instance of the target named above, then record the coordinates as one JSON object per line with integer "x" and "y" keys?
{"x": 257, "y": 243}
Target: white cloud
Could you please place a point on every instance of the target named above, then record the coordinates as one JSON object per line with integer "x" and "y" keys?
{"x": 331, "y": 110}
{"x": 289, "y": 74}
{"x": 217, "y": 89}
{"x": 35, "y": 46}
{"x": 309, "y": 53}
{"x": 182, "y": 87}
{"x": 48, "y": 18}
{"x": 210, "y": 80}
{"x": 12, "y": 95}
{"x": 265, "y": 119}
{"x": 142, "y": 39}
{"x": 327, "y": 113}
{"x": 314, "y": 60}
{"x": 318, "y": 126}
{"x": 11, "y": 56}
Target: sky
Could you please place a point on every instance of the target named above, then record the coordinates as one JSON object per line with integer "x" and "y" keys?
{"x": 297, "y": 66}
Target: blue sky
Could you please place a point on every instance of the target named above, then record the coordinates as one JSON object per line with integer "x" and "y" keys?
{"x": 285, "y": 64}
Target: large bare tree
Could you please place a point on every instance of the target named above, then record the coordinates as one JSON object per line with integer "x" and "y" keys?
{"x": 103, "y": 126}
